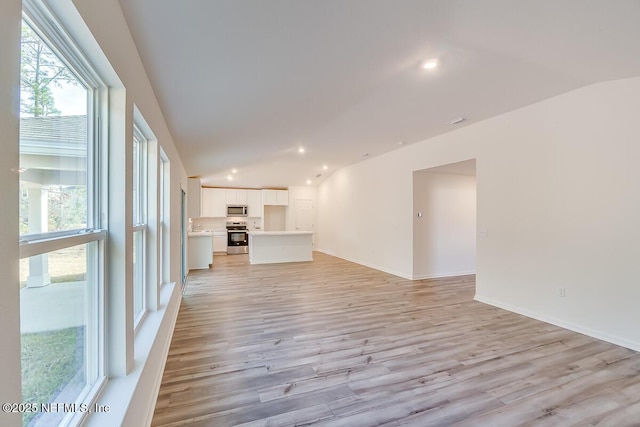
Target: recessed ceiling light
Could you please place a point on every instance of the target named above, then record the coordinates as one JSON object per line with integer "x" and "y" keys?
{"x": 234, "y": 170}
{"x": 301, "y": 150}
{"x": 229, "y": 178}
{"x": 308, "y": 182}
{"x": 430, "y": 64}
{"x": 325, "y": 167}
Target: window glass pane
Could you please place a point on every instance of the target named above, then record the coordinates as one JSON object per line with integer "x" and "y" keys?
{"x": 53, "y": 141}
{"x": 138, "y": 273}
{"x": 59, "y": 329}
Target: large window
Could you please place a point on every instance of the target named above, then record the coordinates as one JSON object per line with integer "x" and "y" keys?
{"x": 61, "y": 279}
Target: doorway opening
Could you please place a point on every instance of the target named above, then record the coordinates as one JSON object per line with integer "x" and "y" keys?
{"x": 444, "y": 221}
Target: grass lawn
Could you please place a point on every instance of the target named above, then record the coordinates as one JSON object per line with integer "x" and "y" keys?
{"x": 64, "y": 265}
{"x": 50, "y": 360}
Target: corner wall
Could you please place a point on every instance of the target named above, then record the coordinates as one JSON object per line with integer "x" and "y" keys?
{"x": 558, "y": 207}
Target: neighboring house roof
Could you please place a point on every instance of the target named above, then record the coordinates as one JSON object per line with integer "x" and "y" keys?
{"x": 54, "y": 135}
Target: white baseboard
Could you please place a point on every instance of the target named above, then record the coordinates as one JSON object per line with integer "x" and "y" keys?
{"x": 443, "y": 275}
{"x": 398, "y": 273}
{"x": 366, "y": 264}
{"x": 561, "y": 323}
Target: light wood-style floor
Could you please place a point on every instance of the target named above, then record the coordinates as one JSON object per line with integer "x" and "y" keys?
{"x": 332, "y": 343}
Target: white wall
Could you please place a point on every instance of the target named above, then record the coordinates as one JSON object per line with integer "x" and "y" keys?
{"x": 444, "y": 236}
{"x": 558, "y": 200}
{"x": 275, "y": 218}
{"x": 365, "y": 214}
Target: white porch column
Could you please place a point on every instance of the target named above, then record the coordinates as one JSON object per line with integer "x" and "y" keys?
{"x": 38, "y": 217}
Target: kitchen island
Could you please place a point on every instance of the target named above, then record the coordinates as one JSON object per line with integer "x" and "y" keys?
{"x": 267, "y": 247}
{"x": 199, "y": 250}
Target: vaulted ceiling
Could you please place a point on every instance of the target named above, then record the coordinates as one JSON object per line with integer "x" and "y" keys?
{"x": 243, "y": 84}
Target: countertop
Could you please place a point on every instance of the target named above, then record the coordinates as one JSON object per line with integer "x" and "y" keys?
{"x": 277, "y": 233}
{"x": 199, "y": 234}
{"x": 206, "y": 233}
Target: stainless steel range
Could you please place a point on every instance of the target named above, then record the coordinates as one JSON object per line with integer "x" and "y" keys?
{"x": 238, "y": 238}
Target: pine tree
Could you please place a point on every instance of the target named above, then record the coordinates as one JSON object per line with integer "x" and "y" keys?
{"x": 40, "y": 70}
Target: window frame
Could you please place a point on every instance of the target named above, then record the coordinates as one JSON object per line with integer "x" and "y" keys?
{"x": 45, "y": 24}
{"x": 140, "y": 208}
{"x": 164, "y": 218}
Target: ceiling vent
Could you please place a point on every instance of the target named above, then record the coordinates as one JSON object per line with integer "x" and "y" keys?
{"x": 457, "y": 120}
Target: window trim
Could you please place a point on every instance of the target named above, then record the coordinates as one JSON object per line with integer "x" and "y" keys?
{"x": 50, "y": 29}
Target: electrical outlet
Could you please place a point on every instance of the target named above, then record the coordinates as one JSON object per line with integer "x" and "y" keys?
{"x": 561, "y": 291}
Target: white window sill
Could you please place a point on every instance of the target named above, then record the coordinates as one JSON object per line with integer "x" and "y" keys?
{"x": 131, "y": 400}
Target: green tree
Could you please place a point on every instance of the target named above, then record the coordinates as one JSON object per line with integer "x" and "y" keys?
{"x": 40, "y": 70}
{"x": 67, "y": 207}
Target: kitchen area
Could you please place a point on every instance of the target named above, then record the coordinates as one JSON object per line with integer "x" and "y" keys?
{"x": 233, "y": 221}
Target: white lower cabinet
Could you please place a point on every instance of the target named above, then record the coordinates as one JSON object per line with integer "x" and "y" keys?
{"x": 220, "y": 242}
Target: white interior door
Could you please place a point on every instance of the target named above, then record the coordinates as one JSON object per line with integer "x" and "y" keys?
{"x": 304, "y": 215}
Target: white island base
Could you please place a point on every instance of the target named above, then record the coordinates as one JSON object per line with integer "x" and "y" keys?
{"x": 268, "y": 247}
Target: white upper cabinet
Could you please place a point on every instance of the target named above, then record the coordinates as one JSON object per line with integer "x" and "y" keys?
{"x": 235, "y": 196}
{"x": 275, "y": 197}
{"x": 214, "y": 203}
{"x": 282, "y": 198}
{"x": 206, "y": 197}
{"x": 254, "y": 203}
{"x": 241, "y": 197}
{"x": 269, "y": 197}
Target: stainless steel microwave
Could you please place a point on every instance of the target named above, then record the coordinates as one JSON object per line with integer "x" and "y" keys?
{"x": 237, "y": 210}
